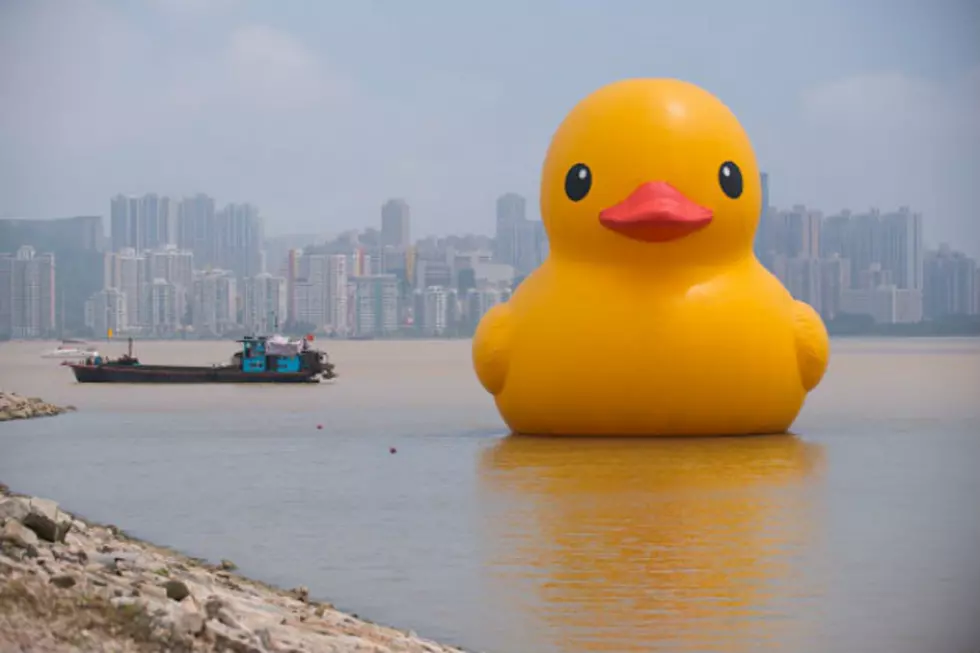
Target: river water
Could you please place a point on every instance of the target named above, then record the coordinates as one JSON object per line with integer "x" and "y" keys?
{"x": 859, "y": 533}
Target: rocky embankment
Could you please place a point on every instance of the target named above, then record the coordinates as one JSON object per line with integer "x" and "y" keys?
{"x": 68, "y": 585}
{"x": 14, "y": 406}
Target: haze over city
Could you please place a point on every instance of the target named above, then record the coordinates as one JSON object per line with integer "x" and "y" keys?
{"x": 320, "y": 112}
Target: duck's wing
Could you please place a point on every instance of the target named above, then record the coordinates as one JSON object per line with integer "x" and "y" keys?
{"x": 812, "y": 344}
{"x": 491, "y": 348}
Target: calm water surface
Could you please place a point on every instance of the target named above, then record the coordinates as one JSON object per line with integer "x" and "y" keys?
{"x": 860, "y": 533}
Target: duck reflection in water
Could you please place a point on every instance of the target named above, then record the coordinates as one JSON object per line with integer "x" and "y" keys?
{"x": 649, "y": 545}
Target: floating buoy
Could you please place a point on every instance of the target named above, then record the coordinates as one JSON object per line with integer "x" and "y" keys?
{"x": 319, "y": 427}
{"x": 392, "y": 450}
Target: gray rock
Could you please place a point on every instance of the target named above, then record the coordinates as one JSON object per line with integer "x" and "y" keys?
{"x": 45, "y": 519}
{"x": 176, "y": 590}
{"x": 213, "y": 606}
{"x": 189, "y": 623}
{"x": 225, "y": 617}
{"x": 9, "y": 564}
{"x": 14, "y": 508}
{"x": 265, "y": 639}
{"x": 230, "y": 639}
{"x": 18, "y": 535}
{"x": 64, "y": 581}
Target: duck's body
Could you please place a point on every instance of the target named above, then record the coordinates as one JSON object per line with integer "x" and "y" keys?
{"x": 619, "y": 337}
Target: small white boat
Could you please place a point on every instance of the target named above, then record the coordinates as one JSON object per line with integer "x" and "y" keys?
{"x": 67, "y": 351}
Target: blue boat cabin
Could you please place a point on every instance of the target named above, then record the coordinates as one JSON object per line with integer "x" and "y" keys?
{"x": 255, "y": 358}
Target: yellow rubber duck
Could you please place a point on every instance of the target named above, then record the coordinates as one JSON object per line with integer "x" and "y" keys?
{"x": 651, "y": 315}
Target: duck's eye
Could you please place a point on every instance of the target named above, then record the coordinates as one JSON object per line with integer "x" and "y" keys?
{"x": 578, "y": 182}
{"x": 730, "y": 179}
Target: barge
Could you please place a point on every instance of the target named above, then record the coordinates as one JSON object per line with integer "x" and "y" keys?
{"x": 261, "y": 359}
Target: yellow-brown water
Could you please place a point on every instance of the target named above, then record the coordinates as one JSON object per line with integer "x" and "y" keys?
{"x": 857, "y": 534}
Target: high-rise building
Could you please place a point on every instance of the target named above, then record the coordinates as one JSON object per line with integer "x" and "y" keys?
{"x": 478, "y": 302}
{"x": 337, "y": 294}
{"x": 125, "y": 271}
{"x": 796, "y": 232}
{"x": 106, "y": 310}
{"x": 238, "y": 237}
{"x": 27, "y": 294}
{"x": 124, "y": 221}
{"x": 195, "y": 228}
{"x": 264, "y": 303}
{"x": 950, "y": 279}
{"x": 801, "y": 275}
{"x": 311, "y": 290}
{"x": 213, "y": 302}
{"x": 291, "y": 272}
{"x": 396, "y": 224}
{"x": 174, "y": 266}
{"x": 863, "y": 243}
{"x": 375, "y": 309}
{"x": 885, "y": 304}
{"x": 834, "y": 235}
{"x": 901, "y": 247}
{"x": 166, "y": 304}
{"x": 141, "y": 223}
{"x": 77, "y": 244}
{"x": 511, "y": 215}
{"x": 835, "y": 278}
{"x": 434, "y": 311}
{"x": 518, "y": 242}
{"x": 762, "y": 245}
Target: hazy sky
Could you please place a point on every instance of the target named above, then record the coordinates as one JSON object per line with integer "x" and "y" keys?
{"x": 317, "y": 111}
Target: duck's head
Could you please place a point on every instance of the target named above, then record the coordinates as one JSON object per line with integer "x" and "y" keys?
{"x": 651, "y": 171}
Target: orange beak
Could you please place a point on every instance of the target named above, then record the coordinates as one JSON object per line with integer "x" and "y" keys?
{"x": 656, "y": 212}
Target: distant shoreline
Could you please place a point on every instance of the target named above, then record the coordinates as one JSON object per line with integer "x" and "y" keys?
{"x": 890, "y": 334}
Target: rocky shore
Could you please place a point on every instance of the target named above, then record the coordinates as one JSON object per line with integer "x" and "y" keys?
{"x": 14, "y": 406}
{"x": 70, "y": 585}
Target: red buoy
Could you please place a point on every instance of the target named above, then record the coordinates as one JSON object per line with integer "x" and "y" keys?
{"x": 319, "y": 427}
{"x": 392, "y": 450}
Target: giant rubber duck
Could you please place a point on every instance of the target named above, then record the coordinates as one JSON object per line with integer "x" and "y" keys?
{"x": 651, "y": 315}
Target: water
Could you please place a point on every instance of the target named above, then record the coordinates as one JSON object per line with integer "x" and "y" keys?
{"x": 859, "y": 534}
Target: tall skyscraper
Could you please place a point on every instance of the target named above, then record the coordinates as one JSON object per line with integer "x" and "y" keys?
{"x": 511, "y": 216}
{"x": 337, "y": 294}
{"x": 125, "y": 271}
{"x": 124, "y": 214}
{"x": 264, "y": 303}
{"x": 798, "y": 232}
{"x": 238, "y": 237}
{"x": 106, "y": 310}
{"x": 27, "y": 295}
{"x": 213, "y": 305}
{"x": 396, "y": 224}
{"x": 950, "y": 279}
{"x": 902, "y": 250}
{"x": 142, "y": 223}
{"x": 762, "y": 244}
{"x": 375, "y": 310}
{"x": 195, "y": 228}
{"x": 158, "y": 221}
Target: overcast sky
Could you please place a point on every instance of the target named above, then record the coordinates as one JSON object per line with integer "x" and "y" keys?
{"x": 317, "y": 111}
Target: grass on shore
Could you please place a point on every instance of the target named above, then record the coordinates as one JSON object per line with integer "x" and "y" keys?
{"x": 38, "y": 612}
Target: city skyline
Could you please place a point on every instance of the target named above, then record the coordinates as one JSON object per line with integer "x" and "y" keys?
{"x": 327, "y": 121}
{"x": 405, "y": 204}
{"x": 191, "y": 265}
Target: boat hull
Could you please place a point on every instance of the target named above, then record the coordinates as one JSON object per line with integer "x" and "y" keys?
{"x": 175, "y": 374}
